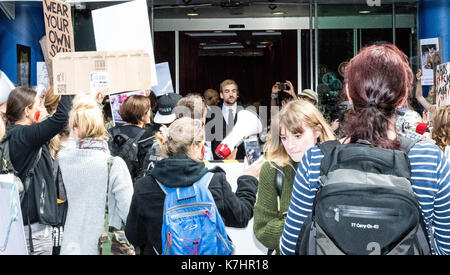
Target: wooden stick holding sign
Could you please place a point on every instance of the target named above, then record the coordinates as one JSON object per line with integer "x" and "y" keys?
{"x": 58, "y": 27}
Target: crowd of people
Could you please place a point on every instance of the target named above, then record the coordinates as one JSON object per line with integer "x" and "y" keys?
{"x": 99, "y": 183}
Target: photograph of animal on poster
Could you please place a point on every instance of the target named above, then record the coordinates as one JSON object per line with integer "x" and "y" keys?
{"x": 116, "y": 101}
{"x": 430, "y": 57}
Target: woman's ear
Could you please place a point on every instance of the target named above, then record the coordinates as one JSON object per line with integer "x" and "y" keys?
{"x": 317, "y": 131}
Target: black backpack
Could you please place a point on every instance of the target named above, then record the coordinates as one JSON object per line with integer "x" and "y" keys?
{"x": 364, "y": 204}
{"x": 126, "y": 148}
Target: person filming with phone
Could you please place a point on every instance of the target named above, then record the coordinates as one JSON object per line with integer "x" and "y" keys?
{"x": 278, "y": 87}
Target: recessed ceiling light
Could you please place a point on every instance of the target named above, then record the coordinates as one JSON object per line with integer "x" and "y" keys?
{"x": 278, "y": 13}
{"x": 192, "y": 14}
{"x": 364, "y": 12}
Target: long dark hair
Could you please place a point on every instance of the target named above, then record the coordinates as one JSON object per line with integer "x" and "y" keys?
{"x": 18, "y": 100}
{"x": 377, "y": 79}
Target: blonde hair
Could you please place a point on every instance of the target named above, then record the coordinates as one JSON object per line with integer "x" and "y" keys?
{"x": 441, "y": 127}
{"x": 294, "y": 116}
{"x": 180, "y": 137}
{"x": 51, "y": 101}
{"x": 228, "y": 82}
{"x": 87, "y": 117}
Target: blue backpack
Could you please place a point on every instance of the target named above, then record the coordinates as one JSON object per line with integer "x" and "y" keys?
{"x": 191, "y": 222}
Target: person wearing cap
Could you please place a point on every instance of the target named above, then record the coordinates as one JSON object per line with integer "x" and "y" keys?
{"x": 147, "y": 148}
{"x": 309, "y": 95}
{"x": 166, "y": 104}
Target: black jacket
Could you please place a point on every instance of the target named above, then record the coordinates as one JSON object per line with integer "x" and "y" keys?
{"x": 144, "y": 223}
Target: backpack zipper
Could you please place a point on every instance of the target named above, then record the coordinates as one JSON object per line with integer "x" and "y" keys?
{"x": 363, "y": 212}
{"x": 188, "y": 214}
{"x": 189, "y": 205}
{"x": 223, "y": 241}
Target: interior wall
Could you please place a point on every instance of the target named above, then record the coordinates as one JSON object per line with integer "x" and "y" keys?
{"x": 255, "y": 75}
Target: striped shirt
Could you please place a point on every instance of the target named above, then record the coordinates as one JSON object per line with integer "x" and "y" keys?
{"x": 430, "y": 178}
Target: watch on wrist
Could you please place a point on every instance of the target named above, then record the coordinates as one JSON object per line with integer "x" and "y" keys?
{"x": 274, "y": 96}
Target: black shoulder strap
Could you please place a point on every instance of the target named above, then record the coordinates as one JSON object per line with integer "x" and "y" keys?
{"x": 326, "y": 147}
{"x": 279, "y": 181}
{"x": 115, "y": 131}
{"x": 30, "y": 173}
{"x": 139, "y": 135}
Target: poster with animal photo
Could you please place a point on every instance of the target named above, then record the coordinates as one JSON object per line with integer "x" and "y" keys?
{"x": 430, "y": 57}
{"x": 116, "y": 101}
{"x": 443, "y": 85}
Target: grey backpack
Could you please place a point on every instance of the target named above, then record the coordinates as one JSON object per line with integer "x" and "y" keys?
{"x": 364, "y": 205}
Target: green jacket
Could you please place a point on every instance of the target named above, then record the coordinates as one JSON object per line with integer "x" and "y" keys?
{"x": 268, "y": 221}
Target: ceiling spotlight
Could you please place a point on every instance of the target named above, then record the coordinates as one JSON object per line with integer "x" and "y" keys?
{"x": 278, "y": 13}
{"x": 192, "y": 14}
{"x": 364, "y": 12}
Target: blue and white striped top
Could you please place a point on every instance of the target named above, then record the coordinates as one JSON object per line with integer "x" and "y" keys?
{"x": 430, "y": 177}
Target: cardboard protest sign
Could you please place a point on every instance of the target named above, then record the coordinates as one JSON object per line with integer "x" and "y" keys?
{"x": 443, "y": 85}
{"x": 164, "y": 80}
{"x": 125, "y": 27}
{"x": 6, "y": 86}
{"x": 109, "y": 71}
{"x": 58, "y": 27}
{"x": 41, "y": 74}
{"x": 12, "y": 233}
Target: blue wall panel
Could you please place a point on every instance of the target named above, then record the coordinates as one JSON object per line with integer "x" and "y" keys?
{"x": 27, "y": 29}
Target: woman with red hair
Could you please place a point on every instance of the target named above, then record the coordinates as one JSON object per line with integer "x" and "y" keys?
{"x": 378, "y": 81}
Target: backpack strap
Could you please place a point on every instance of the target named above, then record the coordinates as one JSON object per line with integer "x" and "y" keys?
{"x": 327, "y": 147}
{"x": 109, "y": 164}
{"x": 204, "y": 180}
{"x": 139, "y": 135}
{"x": 30, "y": 173}
{"x": 406, "y": 144}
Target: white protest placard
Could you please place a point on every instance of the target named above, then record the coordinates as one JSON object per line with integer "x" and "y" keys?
{"x": 12, "y": 233}
{"x": 430, "y": 50}
{"x": 6, "y": 86}
{"x": 125, "y": 27}
{"x": 41, "y": 74}
{"x": 58, "y": 27}
{"x": 443, "y": 85}
{"x": 164, "y": 80}
{"x": 243, "y": 239}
